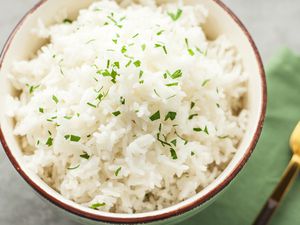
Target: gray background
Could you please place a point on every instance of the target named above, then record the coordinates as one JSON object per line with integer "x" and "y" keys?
{"x": 272, "y": 23}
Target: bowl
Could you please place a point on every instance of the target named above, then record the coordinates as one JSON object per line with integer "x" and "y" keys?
{"x": 22, "y": 43}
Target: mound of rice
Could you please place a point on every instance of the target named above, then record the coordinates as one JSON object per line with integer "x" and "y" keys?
{"x": 130, "y": 108}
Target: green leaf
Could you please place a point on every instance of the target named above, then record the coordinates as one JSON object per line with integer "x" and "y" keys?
{"x": 73, "y": 168}
{"x": 85, "y": 155}
{"x": 171, "y": 115}
{"x": 55, "y": 99}
{"x": 116, "y": 113}
{"x": 137, "y": 63}
{"x": 205, "y": 82}
{"x": 97, "y": 205}
{"x": 175, "y": 16}
{"x": 118, "y": 171}
{"x": 41, "y": 110}
{"x": 192, "y": 116}
{"x": 172, "y": 84}
{"x": 155, "y": 116}
{"x": 49, "y": 141}
{"x": 173, "y": 153}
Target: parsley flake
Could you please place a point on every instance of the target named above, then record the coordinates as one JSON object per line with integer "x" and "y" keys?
{"x": 175, "y": 16}
{"x": 173, "y": 153}
{"x": 155, "y": 116}
{"x": 116, "y": 113}
{"x": 118, "y": 171}
{"x": 170, "y": 115}
{"x": 85, "y": 155}
{"x": 97, "y": 205}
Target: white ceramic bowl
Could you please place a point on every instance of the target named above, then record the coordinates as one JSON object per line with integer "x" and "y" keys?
{"x": 21, "y": 44}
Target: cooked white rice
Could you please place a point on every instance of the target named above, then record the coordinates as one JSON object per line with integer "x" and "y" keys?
{"x": 130, "y": 108}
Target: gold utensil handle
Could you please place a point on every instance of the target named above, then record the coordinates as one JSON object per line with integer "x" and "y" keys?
{"x": 283, "y": 186}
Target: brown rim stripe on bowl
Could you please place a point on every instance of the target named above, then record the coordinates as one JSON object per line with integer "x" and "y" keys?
{"x": 169, "y": 214}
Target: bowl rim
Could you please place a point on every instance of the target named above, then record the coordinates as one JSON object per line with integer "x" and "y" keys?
{"x": 175, "y": 212}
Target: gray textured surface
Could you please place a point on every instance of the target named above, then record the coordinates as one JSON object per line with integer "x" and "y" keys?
{"x": 272, "y": 23}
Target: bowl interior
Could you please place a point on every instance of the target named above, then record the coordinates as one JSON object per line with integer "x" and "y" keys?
{"x": 23, "y": 44}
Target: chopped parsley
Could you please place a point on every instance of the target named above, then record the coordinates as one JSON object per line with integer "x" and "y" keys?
{"x": 117, "y": 64}
{"x": 161, "y": 46}
{"x": 92, "y": 105}
{"x": 160, "y": 32}
{"x": 176, "y": 74}
{"x": 223, "y": 137}
{"x": 175, "y": 16}
{"x": 198, "y": 129}
{"x": 173, "y": 153}
{"x": 32, "y": 88}
{"x": 67, "y": 21}
{"x": 205, "y": 82}
{"x": 118, "y": 171}
{"x": 55, "y": 99}
{"x": 170, "y": 115}
{"x": 218, "y": 105}
{"x": 72, "y": 138}
{"x": 156, "y": 92}
{"x": 124, "y": 49}
{"x": 116, "y": 113}
{"x": 172, "y": 84}
{"x": 41, "y": 110}
{"x": 97, "y": 205}
{"x": 73, "y": 168}
{"x": 192, "y": 153}
{"x": 122, "y": 100}
{"x": 85, "y": 155}
{"x": 192, "y": 104}
{"x": 143, "y": 46}
{"x": 190, "y": 51}
{"x": 49, "y": 141}
{"x": 128, "y": 64}
{"x": 174, "y": 142}
{"x": 137, "y": 63}
{"x": 155, "y": 116}
{"x": 137, "y": 34}
{"x": 114, "y": 21}
{"x": 115, "y": 41}
{"x": 192, "y": 116}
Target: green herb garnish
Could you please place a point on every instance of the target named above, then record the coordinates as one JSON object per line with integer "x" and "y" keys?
{"x": 97, "y": 205}
{"x": 172, "y": 84}
{"x": 155, "y": 116}
{"x": 49, "y": 141}
{"x": 175, "y": 16}
{"x": 72, "y": 138}
{"x": 160, "y": 32}
{"x": 143, "y": 46}
{"x": 192, "y": 104}
{"x": 192, "y": 116}
{"x": 137, "y": 63}
{"x": 122, "y": 100}
{"x": 67, "y": 21}
{"x": 92, "y": 105}
{"x": 85, "y": 155}
{"x": 170, "y": 115}
{"x": 73, "y": 168}
{"x": 173, "y": 153}
{"x": 223, "y": 137}
{"x": 161, "y": 46}
{"x": 176, "y": 74}
{"x": 205, "y": 82}
{"x": 55, "y": 99}
{"x": 118, "y": 171}
{"x": 116, "y": 113}
{"x": 135, "y": 35}
{"x": 124, "y": 49}
{"x": 41, "y": 110}
{"x": 198, "y": 129}
{"x": 174, "y": 142}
